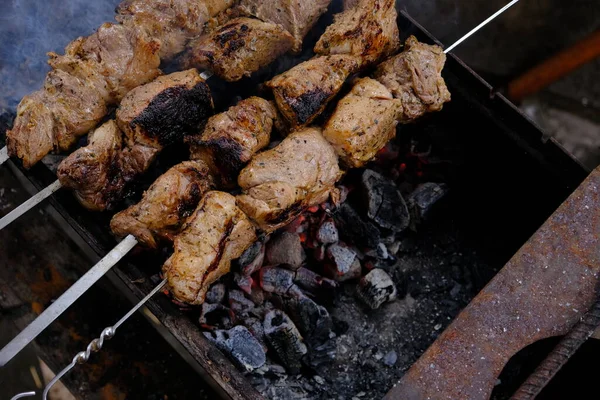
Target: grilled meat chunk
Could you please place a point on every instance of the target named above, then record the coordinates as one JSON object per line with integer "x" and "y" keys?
{"x": 98, "y": 70}
{"x": 89, "y": 170}
{"x": 296, "y": 17}
{"x": 367, "y": 30}
{"x": 415, "y": 77}
{"x": 231, "y": 138}
{"x": 165, "y": 205}
{"x": 302, "y": 92}
{"x": 159, "y": 113}
{"x": 280, "y": 183}
{"x": 214, "y": 235}
{"x": 363, "y": 122}
{"x": 150, "y": 117}
{"x": 172, "y": 22}
{"x": 239, "y": 48}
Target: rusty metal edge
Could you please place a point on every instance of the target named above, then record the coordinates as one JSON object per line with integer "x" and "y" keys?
{"x": 541, "y": 292}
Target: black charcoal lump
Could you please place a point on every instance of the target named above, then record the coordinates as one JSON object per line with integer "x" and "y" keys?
{"x": 240, "y": 345}
{"x": 385, "y": 205}
{"x": 285, "y": 339}
{"x": 376, "y": 288}
{"x": 285, "y": 249}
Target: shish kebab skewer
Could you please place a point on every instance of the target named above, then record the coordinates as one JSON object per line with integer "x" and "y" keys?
{"x": 97, "y": 71}
{"x": 214, "y": 51}
{"x": 108, "y": 333}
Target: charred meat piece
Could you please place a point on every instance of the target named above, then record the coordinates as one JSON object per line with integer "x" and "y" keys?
{"x": 165, "y": 205}
{"x": 172, "y": 22}
{"x": 231, "y": 138}
{"x": 296, "y": 17}
{"x": 415, "y": 77}
{"x": 151, "y": 116}
{"x": 160, "y": 113}
{"x": 280, "y": 183}
{"x": 302, "y": 92}
{"x": 363, "y": 122}
{"x": 367, "y": 30}
{"x": 214, "y": 235}
{"x": 239, "y": 48}
{"x": 90, "y": 168}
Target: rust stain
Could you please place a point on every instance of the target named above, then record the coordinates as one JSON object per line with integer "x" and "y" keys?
{"x": 37, "y": 307}
{"x": 48, "y": 283}
{"x": 111, "y": 392}
{"x": 542, "y": 291}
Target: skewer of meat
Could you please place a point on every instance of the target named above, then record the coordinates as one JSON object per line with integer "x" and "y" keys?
{"x": 98, "y": 70}
{"x": 171, "y": 198}
{"x": 206, "y": 272}
{"x": 241, "y": 47}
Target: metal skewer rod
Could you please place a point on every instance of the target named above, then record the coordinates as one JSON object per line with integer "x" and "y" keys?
{"x": 3, "y": 155}
{"x": 46, "y": 192}
{"x": 5, "y": 356}
{"x": 66, "y": 299}
{"x": 95, "y": 345}
{"x": 29, "y": 204}
{"x": 481, "y": 25}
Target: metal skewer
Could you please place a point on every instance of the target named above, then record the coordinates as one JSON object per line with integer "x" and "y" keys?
{"x": 39, "y": 326}
{"x": 3, "y": 155}
{"x": 95, "y": 345}
{"x": 47, "y": 191}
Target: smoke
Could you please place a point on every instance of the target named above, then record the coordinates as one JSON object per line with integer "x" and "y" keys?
{"x": 31, "y": 28}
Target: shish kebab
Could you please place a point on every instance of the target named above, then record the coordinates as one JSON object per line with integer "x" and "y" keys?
{"x": 182, "y": 242}
{"x": 97, "y": 71}
{"x": 242, "y": 43}
{"x": 128, "y": 243}
{"x": 222, "y": 152}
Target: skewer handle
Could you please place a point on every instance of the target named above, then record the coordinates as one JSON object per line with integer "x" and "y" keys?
{"x": 66, "y": 299}
{"x": 3, "y": 155}
{"x": 29, "y": 204}
{"x": 481, "y": 25}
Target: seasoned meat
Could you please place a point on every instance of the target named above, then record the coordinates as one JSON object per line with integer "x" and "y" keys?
{"x": 280, "y": 183}
{"x": 214, "y": 235}
{"x": 239, "y": 48}
{"x": 368, "y": 31}
{"x": 172, "y": 22}
{"x": 160, "y": 113}
{"x": 88, "y": 170}
{"x": 363, "y": 122}
{"x": 150, "y": 117}
{"x": 415, "y": 77}
{"x": 165, "y": 205}
{"x": 302, "y": 92}
{"x": 297, "y": 17}
{"x": 98, "y": 70}
{"x": 231, "y": 138}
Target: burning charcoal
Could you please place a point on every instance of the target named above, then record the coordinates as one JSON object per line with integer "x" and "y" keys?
{"x": 285, "y": 249}
{"x": 320, "y": 252}
{"x": 212, "y": 315}
{"x": 276, "y": 280}
{"x": 422, "y": 200}
{"x": 344, "y": 264}
{"x": 216, "y": 293}
{"x": 285, "y": 339}
{"x": 240, "y": 345}
{"x": 376, "y": 288}
{"x": 239, "y": 304}
{"x": 255, "y": 326}
{"x": 252, "y": 259}
{"x": 385, "y": 205}
{"x": 243, "y": 282}
{"x": 328, "y": 232}
{"x": 257, "y": 295}
{"x": 356, "y": 229}
{"x": 313, "y": 282}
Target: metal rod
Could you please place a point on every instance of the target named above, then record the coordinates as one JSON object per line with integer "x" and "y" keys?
{"x": 66, "y": 299}
{"x": 481, "y": 25}
{"x": 557, "y": 358}
{"x": 95, "y": 345}
{"x": 29, "y": 204}
{"x": 3, "y": 155}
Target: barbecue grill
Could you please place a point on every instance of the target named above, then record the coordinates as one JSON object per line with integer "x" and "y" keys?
{"x": 505, "y": 177}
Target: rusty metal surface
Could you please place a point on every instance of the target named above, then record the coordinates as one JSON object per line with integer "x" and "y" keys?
{"x": 542, "y": 291}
